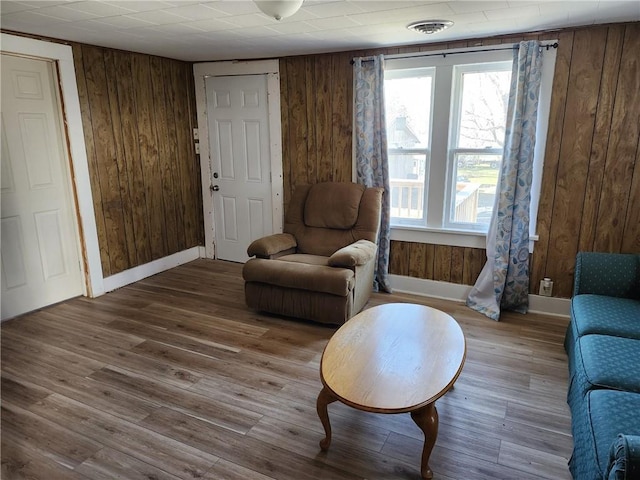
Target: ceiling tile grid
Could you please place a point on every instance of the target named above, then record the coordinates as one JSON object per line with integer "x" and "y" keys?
{"x": 237, "y": 29}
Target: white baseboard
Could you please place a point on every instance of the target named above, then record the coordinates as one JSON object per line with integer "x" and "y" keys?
{"x": 143, "y": 271}
{"x": 458, "y": 293}
{"x": 202, "y": 251}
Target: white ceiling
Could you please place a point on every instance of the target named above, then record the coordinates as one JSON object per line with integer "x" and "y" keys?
{"x": 236, "y": 29}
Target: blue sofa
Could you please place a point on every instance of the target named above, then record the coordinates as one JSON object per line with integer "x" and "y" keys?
{"x": 603, "y": 346}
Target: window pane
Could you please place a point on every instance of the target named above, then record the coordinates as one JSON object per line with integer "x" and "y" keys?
{"x": 476, "y": 180}
{"x": 408, "y": 111}
{"x": 407, "y": 172}
{"x": 483, "y": 109}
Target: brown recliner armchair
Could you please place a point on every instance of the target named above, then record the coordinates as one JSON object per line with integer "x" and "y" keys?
{"x": 321, "y": 268}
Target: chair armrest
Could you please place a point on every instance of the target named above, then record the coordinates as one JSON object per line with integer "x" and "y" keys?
{"x": 267, "y": 247}
{"x": 624, "y": 458}
{"x": 611, "y": 274}
{"x": 358, "y": 253}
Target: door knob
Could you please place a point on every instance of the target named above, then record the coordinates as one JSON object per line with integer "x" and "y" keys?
{"x": 215, "y": 188}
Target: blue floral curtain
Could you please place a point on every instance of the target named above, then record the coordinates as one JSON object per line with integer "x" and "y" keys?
{"x": 504, "y": 280}
{"x": 372, "y": 165}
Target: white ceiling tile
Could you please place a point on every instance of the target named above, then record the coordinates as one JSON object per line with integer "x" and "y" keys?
{"x": 40, "y": 3}
{"x": 292, "y": 28}
{"x": 64, "y": 12}
{"x": 135, "y": 6}
{"x": 253, "y": 20}
{"x": 332, "y": 23}
{"x": 235, "y": 7}
{"x": 211, "y": 24}
{"x": 512, "y": 13}
{"x": 195, "y": 12}
{"x": 120, "y": 22}
{"x": 470, "y": 7}
{"x": 8, "y": 6}
{"x": 333, "y": 9}
{"x": 157, "y": 17}
{"x": 98, "y": 8}
{"x": 29, "y": 17}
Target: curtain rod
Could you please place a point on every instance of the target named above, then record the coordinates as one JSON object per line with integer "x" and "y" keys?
{"x": 444, "y": 54}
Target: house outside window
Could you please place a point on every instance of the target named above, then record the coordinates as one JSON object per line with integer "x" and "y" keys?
{"x": 446, "y": 119}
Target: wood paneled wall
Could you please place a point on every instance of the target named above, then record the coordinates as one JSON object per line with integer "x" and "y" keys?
{"x": 138, "y": 113}
{"x": 590, "y": 196}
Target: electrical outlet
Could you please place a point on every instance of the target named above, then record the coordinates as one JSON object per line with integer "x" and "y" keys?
{"x": 197, "y": 148}
{"x": 546, "y": 287}
{"x": 196, "y": 134}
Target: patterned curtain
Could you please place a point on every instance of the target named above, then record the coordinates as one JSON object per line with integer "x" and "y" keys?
{"x": 372, "y": 164}
{"x": 504, "y": 280}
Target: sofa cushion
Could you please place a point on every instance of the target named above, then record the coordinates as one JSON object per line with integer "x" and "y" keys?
{"x": 611, "y": 412}
{"x": 290, "y": 274}
{"x": 610, "y": 362}
{"x": 605, "y": 315}
{"x": 333, "y": 205}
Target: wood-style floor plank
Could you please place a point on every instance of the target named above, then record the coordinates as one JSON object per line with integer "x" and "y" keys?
{"x": 173, "y": 377}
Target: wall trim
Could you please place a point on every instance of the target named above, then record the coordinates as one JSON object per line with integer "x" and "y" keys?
{"x": 558, "y": 307}
{"x": 77, "y": 152}
{"x": 141, "y": 272}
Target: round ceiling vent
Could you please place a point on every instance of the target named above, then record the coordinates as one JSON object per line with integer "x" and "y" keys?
{"x": 429, "y": 26}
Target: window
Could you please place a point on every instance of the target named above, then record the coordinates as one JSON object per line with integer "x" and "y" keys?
{"x": 445, "y": 132}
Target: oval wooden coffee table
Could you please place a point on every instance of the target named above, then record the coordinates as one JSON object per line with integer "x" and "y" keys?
{"x": 393, "y": 358}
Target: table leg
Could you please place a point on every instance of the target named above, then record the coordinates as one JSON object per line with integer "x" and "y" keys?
{"x": 427, "y": 419}
{"x": 325, "y": 397}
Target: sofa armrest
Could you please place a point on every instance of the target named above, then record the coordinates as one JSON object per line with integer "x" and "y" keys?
{"x": 272, "y": 245}
{"x": 358, "y": 253}
{"x": 624, "y": 458}
{"x": 611, "y": 274}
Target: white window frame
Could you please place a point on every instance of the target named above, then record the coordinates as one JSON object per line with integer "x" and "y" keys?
{"x": 435, "y": 231}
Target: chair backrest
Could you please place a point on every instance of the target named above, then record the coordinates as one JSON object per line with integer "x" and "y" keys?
{"x": 325, "y": 217}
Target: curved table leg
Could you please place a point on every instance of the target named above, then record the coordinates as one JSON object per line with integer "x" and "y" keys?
{"x": 427, "y": 419}
{"x": 325, "y": 397}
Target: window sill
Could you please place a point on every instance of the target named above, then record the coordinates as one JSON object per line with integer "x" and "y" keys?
{"x": 454, "y": 238}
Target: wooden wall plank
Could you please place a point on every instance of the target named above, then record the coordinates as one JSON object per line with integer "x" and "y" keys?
{"x": 119, "y": 157}
{"x": 457, "y": 265}
{"x": 133, "y": 164}
{"x": 148, "y": 141}
{"x": 85, "y": 112}
{"x": 323, "y": 112}
{"x": 631, "y": 236}
{"x": 399, "y": 258}
{"x": 623, "y": 144}
{"x": 342, "y": 117}
{"x": 430, "y": 261}
{"x": 105, "y": 155}
{"x": 166, "y": 153}
{"x": 312, "y": 123}
{"x": 417, "y": 260}
{"x": 600, "y": 139}
{"x": 442, "y": 263}
{"x": 192, "y": 200}
{"x": 298, "y": 122}
{"x": 285, "y": 126}
{"x": 575, "y": 151}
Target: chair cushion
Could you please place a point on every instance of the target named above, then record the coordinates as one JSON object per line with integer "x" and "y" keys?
{"x": 605, "y": 315}
{"x": 333, "y": 205}
{"x": 306, "y": 258}
{"x": 610, "y": 362}
{"x": 292, "y": 274}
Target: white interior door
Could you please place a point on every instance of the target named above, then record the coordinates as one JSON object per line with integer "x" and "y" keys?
{"x": 40, "y": 258}
{"x": 238, "y": 124}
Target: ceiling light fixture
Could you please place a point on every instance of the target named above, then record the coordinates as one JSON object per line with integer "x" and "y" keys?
{"x": 429, "y": 26}
{"x": 279, "y": 9}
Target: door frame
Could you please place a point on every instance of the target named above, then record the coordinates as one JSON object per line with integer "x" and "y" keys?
{"x": 270, "y": 68}
{"x": 75, "y": 150}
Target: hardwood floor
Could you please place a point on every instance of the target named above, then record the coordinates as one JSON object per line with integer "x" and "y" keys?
{"x": 173, "y": 377}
